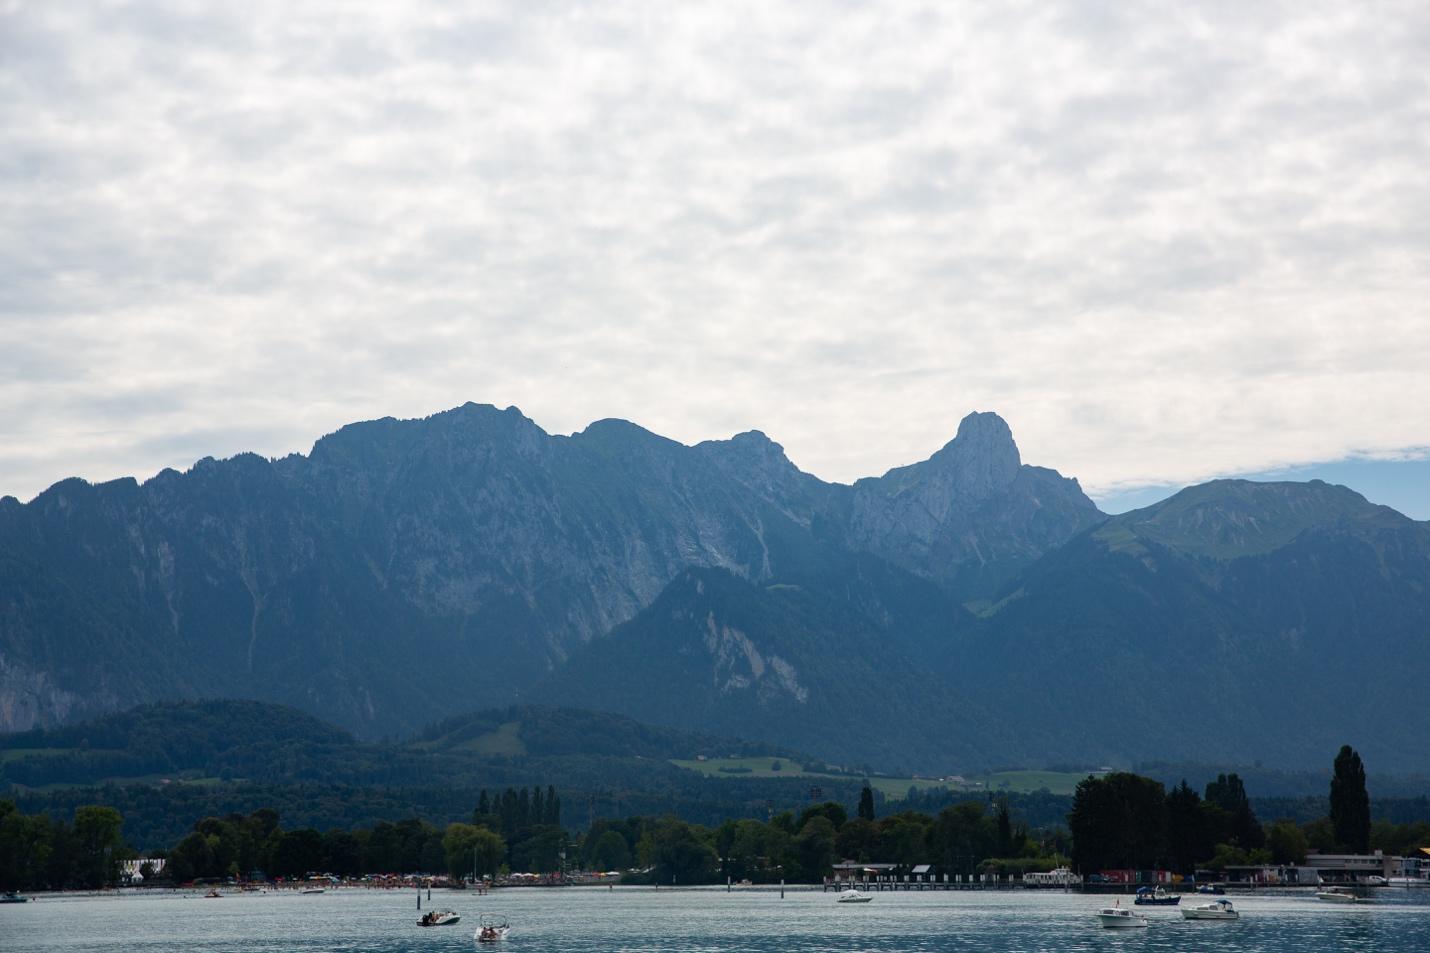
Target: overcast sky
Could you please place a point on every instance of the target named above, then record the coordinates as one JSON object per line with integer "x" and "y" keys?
{"x": 1165, "y": 241}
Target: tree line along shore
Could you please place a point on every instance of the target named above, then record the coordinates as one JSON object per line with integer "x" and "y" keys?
{"x": 1118, "y": 820}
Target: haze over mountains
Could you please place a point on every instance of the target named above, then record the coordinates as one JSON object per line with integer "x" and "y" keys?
{"x": 964, "y": 612}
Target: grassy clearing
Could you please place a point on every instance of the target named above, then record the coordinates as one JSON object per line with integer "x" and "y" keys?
{"x": 15, "y": 754}
{"x": 1025, "y": 782}
{"x": 764, "y": 767}
{"x": 1012, "y": 782}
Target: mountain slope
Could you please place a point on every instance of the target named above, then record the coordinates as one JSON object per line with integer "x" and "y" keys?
{"x": 1274, "y": 621}
{"x": 804, "y": 665}
{"x": 404, "y": 566}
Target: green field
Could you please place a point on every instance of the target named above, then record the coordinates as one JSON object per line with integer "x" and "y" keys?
{"x": 764, "y": 767}
{"x": 15, "y": 754}
{"x": 1013, "y": 782}
{"x": 1025, "y": 782}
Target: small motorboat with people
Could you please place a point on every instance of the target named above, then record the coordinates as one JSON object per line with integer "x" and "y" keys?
{"x": 11, "y": 896}
{"x": 1214, "y": 890}
{"x": 853, "y": 896}
{"x": 1156, "y": 897}
{"x": 1216, "y": 910}
{"x": 213, "y": 894}
{"x": 1338, "y": 895}
{"x": 311, "y": 890}
{"x": 1117, "y": 916}
{"x": 493, "y": 928}
{"x": 438, "y": 918}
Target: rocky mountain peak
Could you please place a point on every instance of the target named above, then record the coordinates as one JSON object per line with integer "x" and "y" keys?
{"x": 982, "y": 457}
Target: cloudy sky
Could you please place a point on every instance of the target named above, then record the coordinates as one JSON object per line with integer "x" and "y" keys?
{"x": 1165, "y": 241}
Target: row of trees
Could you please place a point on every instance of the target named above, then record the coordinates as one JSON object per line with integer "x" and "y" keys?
{"x": 962, "y": 838}
{"x": 1123, "y": 821}
{"x": 37, "y": 852}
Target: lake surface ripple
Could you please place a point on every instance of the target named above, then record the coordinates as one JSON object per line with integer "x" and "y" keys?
{"x": 637, "y": 920}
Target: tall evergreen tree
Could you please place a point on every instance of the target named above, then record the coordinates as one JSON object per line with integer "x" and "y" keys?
{"x": 538, "y": 807}
{"x": 1188, "y": 840}
{"x": 553, "y": 806}
{"x": 1229, "y": 794}
{"x": 1350, "y": 804}
{"x": 484, "y": 803}
{"x": 1005, "y": 829}
{"x": 866, "y": 803}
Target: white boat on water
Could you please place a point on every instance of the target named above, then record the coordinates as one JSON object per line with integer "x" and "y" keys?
{"x": 1337, "y": 895}
{"x": 493, "y": 928}
{"x": 853, "y": 896}
{"x": 1216, "y": 910}
{"x": 1120, "y": 917}
{"x": 312, "y": 890}
{"x": 438, "y": 918}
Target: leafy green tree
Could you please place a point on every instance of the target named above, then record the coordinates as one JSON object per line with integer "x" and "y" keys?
{"x": 27, "y": 843}
{"x": 678, "y": 852}
{"x": 1286, "y": 843}
{"x": 814, "y": 849}
{"x": 904, "y": 837}
{"x": 610, "y": 852}
{"x": 1350, "y": 804}
{"x": 1188, "y": 838}
{"x": 858, "y": 840}
{"x": 342, "y": 853}
{"x": 1240, "y": 825}
{"x": 835, "y": 813}
{"x": 471, "y": 850}
{"x": 297, "y": 852}
{"x": 191, "y": 858}
{"x": 540, "y": 850}
{"x": 1228, "y": 855}
{"x": 963, "y": 836}
{"x": 1118, "y": 821}
{"x": 866, "y": 803}
{"x": 98, "y": 846}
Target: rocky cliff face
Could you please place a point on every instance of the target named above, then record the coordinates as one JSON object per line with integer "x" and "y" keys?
{"x": 971, "y": 515}
{"x": 404, "y": 570}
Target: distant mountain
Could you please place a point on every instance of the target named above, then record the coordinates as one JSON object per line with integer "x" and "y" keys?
{"x": 1232, "y": 622}
{"x": 963, "y": 613}
{"x": 405, "y": 568}
{"x": 226, "y": 740}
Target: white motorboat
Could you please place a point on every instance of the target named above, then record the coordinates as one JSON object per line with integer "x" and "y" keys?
{"x": 438, "y": 918}
{"x": 853, "y": 896}
{"x": 1119, "y": 916}
{"x": 1216, "y": 910}
{"x": 312, "y": 890}
{"x": 1337, "y": 895}
{"x": 493, "y": 928}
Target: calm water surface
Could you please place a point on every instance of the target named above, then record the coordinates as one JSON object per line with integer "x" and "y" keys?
{"x": 689, "y": 921}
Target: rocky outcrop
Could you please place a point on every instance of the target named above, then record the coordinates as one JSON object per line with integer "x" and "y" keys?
{"x": 972, "y": 515}
{"x": 404, "y": 567}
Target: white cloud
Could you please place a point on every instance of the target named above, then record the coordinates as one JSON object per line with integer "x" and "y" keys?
{"x": 1165, "y": 242}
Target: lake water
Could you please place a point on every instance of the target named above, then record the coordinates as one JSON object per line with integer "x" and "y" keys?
{"x": 686, "y": 921}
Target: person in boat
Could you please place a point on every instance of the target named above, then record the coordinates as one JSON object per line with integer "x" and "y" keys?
{"x": 489, "y": 933}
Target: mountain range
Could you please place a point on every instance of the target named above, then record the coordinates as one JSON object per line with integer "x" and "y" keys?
{"x": 966, "y": 612}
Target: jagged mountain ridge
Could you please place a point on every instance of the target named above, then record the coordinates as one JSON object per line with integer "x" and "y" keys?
{"x": 1234, "y": 621}
{"x": 1271, "y": 621}
{"x": 404, "y": 567}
